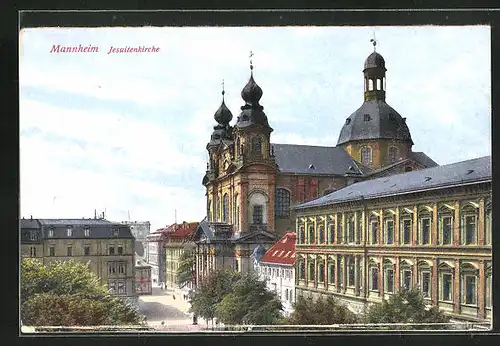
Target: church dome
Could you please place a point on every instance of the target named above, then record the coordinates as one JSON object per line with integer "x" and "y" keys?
{"x": 251, "y": 93}
{"x": 223, "y": 114}
{"x": 375, "y": 60}
{"x": 375, "y": 119}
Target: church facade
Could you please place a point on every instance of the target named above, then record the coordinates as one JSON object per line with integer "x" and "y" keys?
{"x": 252, "y": 184}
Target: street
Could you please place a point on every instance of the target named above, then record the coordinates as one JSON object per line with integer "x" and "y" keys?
{"x": 161, "y": 307}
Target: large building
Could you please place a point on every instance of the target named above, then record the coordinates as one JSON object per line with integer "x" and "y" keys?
{"x": 430, "y": 229}
{"x": 108, "y": 248}
{"x": 155, "y": 255}
{"x": 277, "y": 268}
{"x": 253, "y": 184}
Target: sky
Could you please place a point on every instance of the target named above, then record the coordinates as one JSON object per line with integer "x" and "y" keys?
{"x": 126, "y": 133}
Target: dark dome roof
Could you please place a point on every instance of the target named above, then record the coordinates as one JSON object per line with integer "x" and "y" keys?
{"x": 374, "y": 60}
{"x": 375, "y": 119}
{"x": 251, "y": 93}
{"x": 223, "y": 114}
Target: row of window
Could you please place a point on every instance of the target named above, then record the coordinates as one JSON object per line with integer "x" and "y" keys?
{"x": 117, "y": 268}
{"x": 367, "y": 152}
{"x": 86, "y": 232}
{"x": 69, "y": 251}
{"x": 468, "y": 224}
{"x": 468, "y": 281}
{"x": 275, "y": 272}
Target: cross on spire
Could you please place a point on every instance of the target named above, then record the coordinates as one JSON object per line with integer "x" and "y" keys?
{"x": 374, "y": 42}
{"x": 250, "y": 56}
{"x": 223, "y": 92}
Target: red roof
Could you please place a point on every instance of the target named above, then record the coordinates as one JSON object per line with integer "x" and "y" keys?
{"x": 282, "y": 252}
{"x": 182, "y": 230}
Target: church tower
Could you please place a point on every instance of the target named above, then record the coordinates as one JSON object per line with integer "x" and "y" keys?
{"x": 375, "y": 135}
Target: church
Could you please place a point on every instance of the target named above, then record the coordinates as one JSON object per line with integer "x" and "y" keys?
{"x": 252, "y": 184}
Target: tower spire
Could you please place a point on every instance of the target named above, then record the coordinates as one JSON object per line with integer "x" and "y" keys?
{"x": 251, "y": 64}
{"x": 223, "y": 92}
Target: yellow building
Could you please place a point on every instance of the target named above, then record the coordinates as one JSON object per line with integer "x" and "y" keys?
{"x": 429, "y": 228}
{"x": 107, "y": 246}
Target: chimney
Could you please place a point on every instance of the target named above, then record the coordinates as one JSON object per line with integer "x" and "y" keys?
{"x": 31, "y": 217}
{"x": 95, "y": 214}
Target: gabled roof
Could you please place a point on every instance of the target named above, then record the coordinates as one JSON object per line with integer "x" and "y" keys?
{"x": 423, "y": 159}
{"x": 309, "y": 159}
{"x": 183, "y": 230}
{"x": 282, "y": 252}
{"x": 475, "y": 170}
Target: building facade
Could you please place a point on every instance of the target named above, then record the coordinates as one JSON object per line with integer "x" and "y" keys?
{"x": 176, "y": 237}
{"x": 143, "y": 280}
{"x": 277, "y": 268}
{"x": 253, "y": 184}
{"x": 155, "y": 255}
{"x": 140, "y": 230}
{"x": 430, "y": 229}
{"x": 108, "y": 248}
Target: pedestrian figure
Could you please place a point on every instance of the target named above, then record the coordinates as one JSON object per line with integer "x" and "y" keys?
{"x": 173, "y": 295}
{"x": 162, "y": 323}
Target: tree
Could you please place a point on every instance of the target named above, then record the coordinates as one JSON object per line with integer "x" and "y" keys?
{"x": 407, "y": 306}
{"x": 249, "y": 303}
{"x": 210, "y": 292}
{"x": 68, "y": 293}
{"x": 321, "y": 311}
{"x": 187, "y": 265}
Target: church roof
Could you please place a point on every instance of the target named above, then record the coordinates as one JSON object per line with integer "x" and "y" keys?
{"x": 309, "y": 159}
{"x": 475, "y": 170}
{"x": 375, "y": 119}
{"x": 282, "y": 252}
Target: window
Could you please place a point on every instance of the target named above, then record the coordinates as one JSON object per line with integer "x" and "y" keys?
{"x": 487, "y": 225}
{"x": 69, "y": 232}
{"x": 311, "y": 234}
{"x": 340, "y": 235}
{"x": 408, "y": 169}
{"x": 121, "y": 287}
{"x": 70, "y": 251}
{"x": 446, "y": 287}
{"x": 374, "y": 232}
{"x": 425, "y": 231}
{"x": 302, "y": 270}
{"x": 340, "y": 274}
{"x": 120, "y": 249}
{"x": 406, "y": 283}
{"x": 426, "y": 284}
{"x": 321, "y": 272}
{"x": 86, "y": 232}
{"x": 50, "y": 233}
{"x": 370, "y": 85}
{"x": 257, "y": 214}
{"x": 321, "y": 233}
{"x": 445, "y": 231}
{"x": 291, "y": 295}
{"x": 393, "y": 154}
{"x": 350, "y": 271}
{"x": 470, "y": 229}
{"x": 488, "y": 291}
{"x": 389, "y": 280}
{"x": 374, "y": 282}
{"x": 350, "y": 229}
{"x": 111, "y": 250}
{"x": 389, "y": 231}
{"x": 256, "y": 145}
{"x": 470, "y": 290}
{"x": 331, "y": 233}
{"x": 366, "y": 155}
{"x": 112, "y": 287}
{"x": 33, "y": 235}
{"x": 86, "y": 250}
{"x": 379, "y": 86}
{"x": 32, "y": 251}
{"x": 367, "y": 117}
{"x": 115, "y": 232}
{"x": 121, "y": 268}
{"x": 302, "y": 235}
{"x": 282, "y": 203}
{"x": 225, "y": 208}
{"x": 406, "y": 231}
{"x": 111, "y": 268}
{"x": 331, "y": 273}
{"x": 52, "y": 251}
{"x": 311, "y": 271}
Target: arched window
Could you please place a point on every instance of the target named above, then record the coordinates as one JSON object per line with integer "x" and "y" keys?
{"x": 257, "y": 145}
{"x": 311, "y": 234}
{"x": 331, "y": 273}
{"x": 379, "y": 84}
{"x": 331, "y": 232}
{"x": 445, "y": 283}
{"x": 311, "y": 271}
{"x": 470, "y": 280}
{"x": 445, "y": 224}
{"x": 374, "y": 276}
{"x": 321, "y": 272}
{"x": 469, "y": 225}
{"x": 302, "y": 270}
{"x": 370, "y": 84}
{"x": 424, "y": 226}
{"x": 321, "y": 234}
{"x": 236, "y": 212}
{"x": 282, "y": 200}
{"x": 405, "y": 227}
{"x": 424, "y": 278}
{"x": 225, "y": 208}
{"x": 405, "y": 275}
{"x": 366, "y": 155}
{"x": 393, "y": 154}
{"x": 302, "y": 235}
